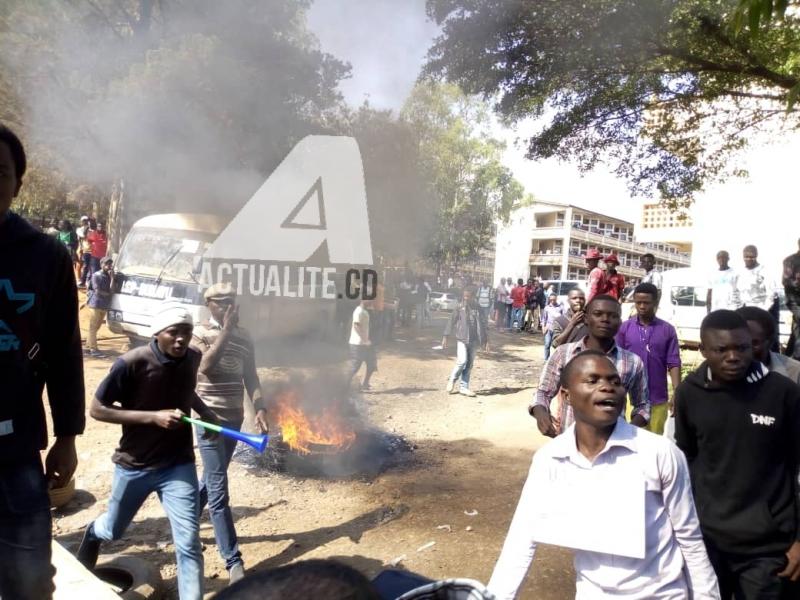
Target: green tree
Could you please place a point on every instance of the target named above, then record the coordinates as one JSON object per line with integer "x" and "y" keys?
{"x": 190, "y": 102}
{"x": 666, "y": 92}
{"x": 460, "y": 162}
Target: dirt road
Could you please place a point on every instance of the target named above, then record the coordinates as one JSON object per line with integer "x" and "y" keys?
{"x": 471, "y": 455}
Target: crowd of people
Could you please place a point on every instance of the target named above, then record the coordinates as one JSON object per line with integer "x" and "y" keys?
{"x": 706, "y": 508}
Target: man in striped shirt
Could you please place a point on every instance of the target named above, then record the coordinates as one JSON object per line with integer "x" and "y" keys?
{"x": 226, "y": 370}
{"x": 603, "y": 319}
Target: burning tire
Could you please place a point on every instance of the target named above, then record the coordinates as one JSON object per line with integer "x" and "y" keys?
{"x": 131, "y": 578}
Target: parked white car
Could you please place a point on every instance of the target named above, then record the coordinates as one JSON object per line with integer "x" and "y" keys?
{"x": 442, "y": 301}
{"x": 683, "y": 303}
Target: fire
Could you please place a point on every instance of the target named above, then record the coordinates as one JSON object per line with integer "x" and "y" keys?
{"x": 303, "y": 430}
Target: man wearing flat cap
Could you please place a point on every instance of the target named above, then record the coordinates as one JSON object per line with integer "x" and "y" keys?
{"x": 227, "y": 369}
{"x": 147, "y": 391}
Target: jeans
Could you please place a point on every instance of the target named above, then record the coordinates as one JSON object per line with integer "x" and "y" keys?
{"x": 751, "y": 577}
{"x": 509, "y": 310}
{"x": 86, "y": 267}
{"x": 465, "y": 357}
{"x": 548, "y": 342}
{"x": 216, "y": 456}
{"x": 518, "y": 314}
{"x": 25, "y": 533}
{"x": 176, "y": 487}
{"x": 362, "y": 354}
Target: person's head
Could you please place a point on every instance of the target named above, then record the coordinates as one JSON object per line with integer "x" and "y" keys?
{"x": 592, "y": 258}
{"x": 726, "y": 344}
{"x": 611, "y": 262}
{"x": 100, "y": 227}
{"x": 552, "y": 298}
{"x": 591, "y": 384}
{"x": 84, "y": 221}
{"x": 576, "y": 300}
{"x": 648, "y": 261}
{"x": 13, "y": 164}
{"x": 722, "y": 259}
{"x": 107, "y": 264}
{"x": 603, "y": 317}
{"x": 316, "y": 578}
{"x": 762, "y": 330}
{"x": 63, "y": 225}
{"x": 530, "y": 282}
{"x": 172, "y": 327}
{"x": 520, "y": 282}
{"x": 219, "y": 297}
{"x": 645, "y": 298}
{"x": 467, "y": 295}
{"x": 750, "y": 256}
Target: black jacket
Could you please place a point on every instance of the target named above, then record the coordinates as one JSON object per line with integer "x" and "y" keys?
{"x": 459, "y": 325}
{"x": 40, "y": 341}
{"x": 742, "y": 442}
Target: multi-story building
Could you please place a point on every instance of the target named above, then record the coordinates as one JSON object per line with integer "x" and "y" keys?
{"x": 660, "y": 224}
{"x": 550, "y": 240}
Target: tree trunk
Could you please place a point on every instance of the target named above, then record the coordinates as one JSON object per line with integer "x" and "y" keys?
{"x": 116, "y": 225}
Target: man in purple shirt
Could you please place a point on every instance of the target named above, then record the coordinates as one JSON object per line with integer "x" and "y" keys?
{"x": 656, "y": 343}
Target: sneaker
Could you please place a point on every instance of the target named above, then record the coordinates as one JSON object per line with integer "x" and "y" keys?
{"x": 89, "y": 549}
{"x": 467, "y": 392}
{"x": 235, "y": 573}
{"x": 450, "y": 386}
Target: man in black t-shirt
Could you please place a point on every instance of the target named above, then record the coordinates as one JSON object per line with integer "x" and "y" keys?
{"x": 147, "y": 391}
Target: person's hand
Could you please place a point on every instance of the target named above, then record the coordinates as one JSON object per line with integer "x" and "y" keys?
{"x": 61, "y": 462}
{"x": 792, "y": 570}
{"x": 167, "y": 419}
{"x": 577, "y": 318}
{"x": 444, "y": 343}
{"x": 671, "y": 406}
{"x": 231, "y": 318}
{"x": 261, "y": 421}
{"x": 638, "y": 421}
{"x": 544, "y": 421}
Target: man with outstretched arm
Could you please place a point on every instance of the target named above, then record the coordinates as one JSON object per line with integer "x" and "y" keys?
{"x": 147, "y": 391}
{"x": 618, "y": 495}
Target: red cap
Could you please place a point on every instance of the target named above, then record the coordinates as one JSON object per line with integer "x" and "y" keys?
{"x": 592, "y": 253}
{"x": 611, "y": 258}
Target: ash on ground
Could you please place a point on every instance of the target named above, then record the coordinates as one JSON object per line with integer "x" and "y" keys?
{"x": 373, "y": 452}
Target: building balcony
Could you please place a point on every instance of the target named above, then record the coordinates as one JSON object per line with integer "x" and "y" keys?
{"x": 628, "y": 245}
{"x": 545, "y": 258}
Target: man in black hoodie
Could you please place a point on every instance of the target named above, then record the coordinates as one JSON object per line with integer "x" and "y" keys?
{"x": 40, "y": 344}
{"x": 739, "y": 426}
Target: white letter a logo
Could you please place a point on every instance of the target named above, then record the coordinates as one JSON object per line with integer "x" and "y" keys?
{"x": 315, "y": 194}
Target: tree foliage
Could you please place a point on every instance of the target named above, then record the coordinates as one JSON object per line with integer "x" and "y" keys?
{"x": 460, "y": 161}
{"x": 190, "y": 101}
{"x": 664, "y": 92}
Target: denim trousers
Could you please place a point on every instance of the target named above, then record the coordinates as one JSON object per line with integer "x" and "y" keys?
{"x": 517, "y": 314}
{"x": 26, "y": 571}
{"x": 216, "y": 456}
{"x": 465, "y": 357}
{"x": 548, "y": 342}
{"x": 176, "y": 487}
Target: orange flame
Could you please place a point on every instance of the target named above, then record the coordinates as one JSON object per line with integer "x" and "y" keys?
{"x": 301, "y": 430}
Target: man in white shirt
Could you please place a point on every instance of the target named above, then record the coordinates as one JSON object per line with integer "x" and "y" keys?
{"x": 723, "y": 292}
{"x": 755, "y": 284}
{"x": 619, "y": 495}
{"x": 361, "y": 348}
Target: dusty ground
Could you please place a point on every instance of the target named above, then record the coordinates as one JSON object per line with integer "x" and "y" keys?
{"x": 471, "y": 455}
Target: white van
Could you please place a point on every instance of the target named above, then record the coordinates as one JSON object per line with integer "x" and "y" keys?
{"x": 161, "y": 259}
{"x": 683, "y": 304}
